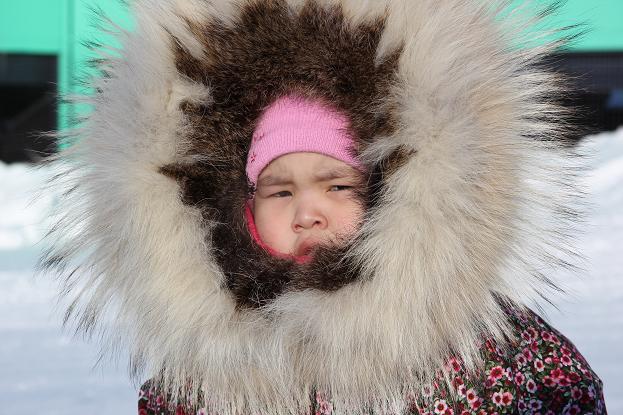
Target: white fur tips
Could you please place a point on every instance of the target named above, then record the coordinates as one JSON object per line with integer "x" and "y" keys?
{"x": 471, "y": 217}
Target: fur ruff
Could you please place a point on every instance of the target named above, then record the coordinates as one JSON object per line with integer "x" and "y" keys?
{"x": 468, "y": 204}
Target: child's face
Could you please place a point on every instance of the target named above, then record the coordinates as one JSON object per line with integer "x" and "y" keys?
{"x": 305, "y": 199}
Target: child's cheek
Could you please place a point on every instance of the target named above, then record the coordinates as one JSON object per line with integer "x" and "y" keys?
{"x": 350, "y": 216}
{"x": 274, "y": 229}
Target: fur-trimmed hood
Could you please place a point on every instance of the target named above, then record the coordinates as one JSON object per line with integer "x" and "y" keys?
{"x": 467, "y": 206}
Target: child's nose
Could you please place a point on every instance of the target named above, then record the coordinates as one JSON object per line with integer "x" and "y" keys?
{"x": 308, "y": 217}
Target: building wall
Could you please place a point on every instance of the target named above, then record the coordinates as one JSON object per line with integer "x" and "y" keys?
{"x": 31, "y": 26}
{"x": 603, "y": 19}
{"x": 57, "y": 27}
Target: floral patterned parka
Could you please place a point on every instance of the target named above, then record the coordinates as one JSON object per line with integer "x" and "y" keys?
{"x": 540, "y": 373}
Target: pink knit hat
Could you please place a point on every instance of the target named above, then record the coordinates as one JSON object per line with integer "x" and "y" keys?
{"x": 292, "y": 124}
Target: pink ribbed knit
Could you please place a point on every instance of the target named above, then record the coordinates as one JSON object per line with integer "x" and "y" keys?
{"x": 292, "y": 124}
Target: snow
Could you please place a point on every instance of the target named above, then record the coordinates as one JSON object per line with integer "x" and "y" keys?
{"x": 592, "y": 316}
{"x": 43, "y": 368}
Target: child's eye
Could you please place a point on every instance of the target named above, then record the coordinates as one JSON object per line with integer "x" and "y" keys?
{"x": 283, "y": 193}
{"x": 338, "y": 188}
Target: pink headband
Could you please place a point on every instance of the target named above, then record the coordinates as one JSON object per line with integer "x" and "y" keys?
{"x": 292, "y": 124}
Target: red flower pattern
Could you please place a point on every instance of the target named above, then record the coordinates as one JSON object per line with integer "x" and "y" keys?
{"x": 496, "y": 373}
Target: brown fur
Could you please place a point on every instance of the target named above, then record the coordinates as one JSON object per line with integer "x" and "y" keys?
{"x": 272, "y": 52}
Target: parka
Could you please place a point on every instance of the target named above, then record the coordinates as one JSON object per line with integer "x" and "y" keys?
{"x": 470, "y": 206}
{"x": 539, "y": 372}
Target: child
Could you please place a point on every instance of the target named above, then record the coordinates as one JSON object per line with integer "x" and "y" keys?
{"x": 334, "y": 205}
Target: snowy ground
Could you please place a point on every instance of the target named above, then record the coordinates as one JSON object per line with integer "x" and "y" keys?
{"x": 43, "y": 369}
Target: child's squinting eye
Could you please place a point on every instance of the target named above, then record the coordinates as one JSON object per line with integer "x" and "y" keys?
{"x": 337, "y": 188}
{"x": 283, "y": 193}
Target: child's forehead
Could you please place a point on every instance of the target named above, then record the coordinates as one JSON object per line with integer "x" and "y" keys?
{"x": 314, "y": 166}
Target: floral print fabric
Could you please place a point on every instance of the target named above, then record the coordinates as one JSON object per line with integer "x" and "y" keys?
{"x": 150, "y": 402}
{"x": 540, "y": 373}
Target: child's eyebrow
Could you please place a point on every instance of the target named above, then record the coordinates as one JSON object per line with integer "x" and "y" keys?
{"x": 322, "y": 176}
{"x": 271, "y": 180}
{"x": 337, "y": 173}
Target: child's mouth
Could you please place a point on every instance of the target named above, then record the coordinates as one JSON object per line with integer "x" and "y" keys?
{"x": 306, "y": 247}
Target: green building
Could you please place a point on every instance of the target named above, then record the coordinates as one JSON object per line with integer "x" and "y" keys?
{"x": 42, "y": 53}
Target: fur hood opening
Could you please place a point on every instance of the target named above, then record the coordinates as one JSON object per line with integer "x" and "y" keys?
{"x": 469, "y": 204}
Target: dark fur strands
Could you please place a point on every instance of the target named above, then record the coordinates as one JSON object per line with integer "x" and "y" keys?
{"x": 464, "y": 199}
{"x": 271, "y": 52}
